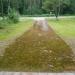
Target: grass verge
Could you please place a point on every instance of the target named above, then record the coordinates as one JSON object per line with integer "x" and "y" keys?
{"x": 10, "y": 30}
{"x": 63, "y": 27}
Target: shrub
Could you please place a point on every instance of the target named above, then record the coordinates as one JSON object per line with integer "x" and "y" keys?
{"x": 3, "y": 23}
{"x": 13, "y": 15}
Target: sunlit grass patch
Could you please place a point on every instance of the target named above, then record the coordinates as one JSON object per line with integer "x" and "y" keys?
{"x": 11, "y": 30}
{"x": 63, "y": 27}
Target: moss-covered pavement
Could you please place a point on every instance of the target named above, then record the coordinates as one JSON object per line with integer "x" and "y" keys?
{"x": 38, "y": 50}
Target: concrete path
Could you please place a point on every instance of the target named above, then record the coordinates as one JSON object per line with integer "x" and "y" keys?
{"x": 4, "y": 44}
{"x": 33, "y": 73}
{"x": 71, "y": 42}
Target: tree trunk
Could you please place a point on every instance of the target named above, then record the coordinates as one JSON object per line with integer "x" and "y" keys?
{"x": 8, "y": 6}
{"x": 2, "y": 8}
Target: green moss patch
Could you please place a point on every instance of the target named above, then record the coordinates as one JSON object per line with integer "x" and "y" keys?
{"x": 37, "y": 51}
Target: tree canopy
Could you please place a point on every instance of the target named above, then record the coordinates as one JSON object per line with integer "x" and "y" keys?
{"x": 33, "y": 7}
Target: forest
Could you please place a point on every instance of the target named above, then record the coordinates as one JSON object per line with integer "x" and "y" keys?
{"x": 37, "y": 7}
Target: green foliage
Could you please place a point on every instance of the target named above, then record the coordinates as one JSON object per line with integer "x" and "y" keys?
{"x": 47, "y": 5}
{"x": 13, "y": 15}
{"x": 34, "y": 11}
{"x": 28, "y": 7}
{"x": 52, "y": 6}
{"x": 3, "y": 23}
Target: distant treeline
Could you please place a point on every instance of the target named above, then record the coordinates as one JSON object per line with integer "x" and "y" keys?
{"x": 37, "y": 7}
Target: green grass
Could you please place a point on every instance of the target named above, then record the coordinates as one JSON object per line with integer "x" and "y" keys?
{"x": 63, "y": 27}
{"x": 11, "y": 30}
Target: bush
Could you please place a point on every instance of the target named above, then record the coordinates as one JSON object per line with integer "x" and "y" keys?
{"x": 13, "y": 15}
{"x": 3, "y": 23}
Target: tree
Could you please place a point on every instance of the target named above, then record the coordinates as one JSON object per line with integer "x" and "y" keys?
{"x": 52, "y": 6}
{"x": 32, "y": 7}
{"x": 13, "y": 15}
{"x": 2, "y": 8}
